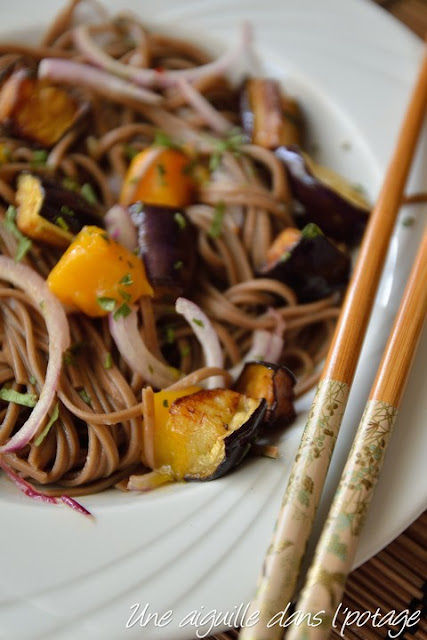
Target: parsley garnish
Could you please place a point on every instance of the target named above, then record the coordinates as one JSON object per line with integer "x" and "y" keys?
{"x": 166, "y": 404}
{"x": 129, "y": 151}
{"x": 185, "y": 350}
{"x": 122, "y": 311}
{"x": 178, "y": 265}
{"x": 108, "y": 362}
{"x": 53, "y": 418}
{"x": 127, "y": 280}
{"x": 170, "y": 335}
{"x": 198, "y": 322}
{"x": 39, "y": 157}
{"x": 217, "y": 220}
{"x": 67, "y": 211}
{"x": 233, "y": 143}
{"x": 161, "y": 170}
{"x": 88, "y": 193}
{"x": 408, "y": 222}
{"x": 24, "y": 243}
{"x": 180, "y": 220}
{"x": 161, "y": 139}
{"x": 108, "y": 304}
{"x": 24, "y": 399}
{"x": 61, "y": 223}
{"x": 85, "y": 396}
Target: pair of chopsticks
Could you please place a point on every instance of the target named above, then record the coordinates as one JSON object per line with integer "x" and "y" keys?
{"x": 269, "y": 612}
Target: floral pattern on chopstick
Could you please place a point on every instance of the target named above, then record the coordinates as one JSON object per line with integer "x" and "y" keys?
{"x": 332, "y": 564}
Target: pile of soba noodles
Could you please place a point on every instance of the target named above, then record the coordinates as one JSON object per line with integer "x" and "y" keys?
{"x": 95, "y": 417}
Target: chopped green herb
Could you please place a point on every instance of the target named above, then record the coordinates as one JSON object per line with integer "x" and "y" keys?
{"x": 233, "y": 143}
{"x": 166, "y": 404}
{"x": 85, "y": 396}
{"x": 130, "y": 151}
{"x": 180, "y": 220}
{"x": 161, "y": 139}
{"x": 311, "y": 230}
{"x": 285, "y": 256}
{"x": 170, "y": 335}
{"x": 68, "y": 357}
{"x": 61, "y": 223}
{"x": 408, "y": 222}
{"x": 150, "y": 368}
{"x": 217, "y": 220}
{"x": 24, "y": 399}
{"x": 33, "y": 380}
{"x": 125, "y": 295}
{"x": 70, "y": 183}
{"x": 88, "y": 193}
{"x": 178, "y": 265}
{"x": 184, "y": 351}
{"x": 359, "y": 188}
{"x": 108, "y": 304}
{"x": 53, "y": 418}
{"x": 122, "y": 311}
{"x": 39, "y": 157}
{"x": 127, "y": 280}
{"x": 108, "y": 362}
{"x": 24, "y": 243}
{"x": 67, "y": 211}
{"x": 160, "y": 168}
{"x": 198, "y": 322}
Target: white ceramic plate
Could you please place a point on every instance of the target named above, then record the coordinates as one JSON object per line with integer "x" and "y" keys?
{"x": 199, "y": 548}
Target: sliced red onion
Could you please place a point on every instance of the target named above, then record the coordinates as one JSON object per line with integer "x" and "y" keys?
{"x": 29, "y": 491}
{"x": 206, "y": 335}
{"x": 208, "y": 113}
{"x": 155, "y": 77}
{"x": 84, "y": 75}
{"x": 134, "y": 351}
{"x": 266, "y": 346}
{"x": 36, "y": 288}
{"x": 120, "y": 227}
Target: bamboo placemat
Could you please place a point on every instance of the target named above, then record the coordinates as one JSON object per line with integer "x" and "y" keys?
{"x": 396, "y": 578}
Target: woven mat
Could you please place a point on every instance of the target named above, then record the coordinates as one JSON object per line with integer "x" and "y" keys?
{"x": 396, "y": 578}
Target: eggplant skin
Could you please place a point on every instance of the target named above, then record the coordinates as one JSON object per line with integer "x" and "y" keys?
{"x": 273, "y": 382}
{"x": 314, "y": 266}
{"x": 342, "y": 216}
{"x": 207, "y": 433}
{"x": 166, "y": 241}
{"x": 51, "y": 213}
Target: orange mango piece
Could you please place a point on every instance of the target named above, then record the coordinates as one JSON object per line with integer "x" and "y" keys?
{"x": 159, "y": 176}
{"x": 97, "y": 275}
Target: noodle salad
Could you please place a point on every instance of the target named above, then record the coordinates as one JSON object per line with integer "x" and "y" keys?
{"x": 171, "y": 258}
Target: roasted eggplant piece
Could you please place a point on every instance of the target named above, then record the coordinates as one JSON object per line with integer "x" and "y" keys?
{"x": 51, "y": 213}
{"x": 166, "y": 241}
{"x": 32, "y": 109}
{"x": 324, "y": 197}
{"x": 309, "y": 262}
{"x": 207, "y": 433}
{"x": 269, "y": 118}
{"x": 273, "y": 382}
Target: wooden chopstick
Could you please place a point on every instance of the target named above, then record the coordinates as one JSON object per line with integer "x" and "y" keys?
{"x": 337, "y": 545}
{"x": 283, "y": 559}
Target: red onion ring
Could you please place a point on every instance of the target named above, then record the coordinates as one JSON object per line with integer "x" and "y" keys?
{"x": 206, "y": 335}
{"x": 153, "y": 77}
{"x": 36, "y": 288}
{"x": 120, "y": 226}
{"x": 134, "y": 351}
{"x": 84, "y": 75}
